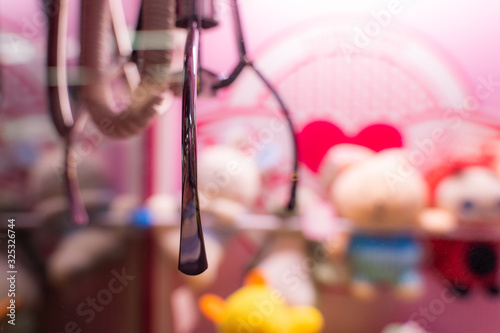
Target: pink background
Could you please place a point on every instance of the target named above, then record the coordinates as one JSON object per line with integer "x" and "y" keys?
{"x": 464, "y": 32}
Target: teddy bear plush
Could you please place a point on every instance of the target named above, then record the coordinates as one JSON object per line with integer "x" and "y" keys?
{"x": 382, "y": 199}
{"x": 258, "y": 308}
{"x": 466, "y": 192}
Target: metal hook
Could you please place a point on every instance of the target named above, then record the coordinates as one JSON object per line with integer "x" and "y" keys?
{"x": 192, "y": 256}
{"x": 60, "y": 105}
{"x": 244, "y": 61}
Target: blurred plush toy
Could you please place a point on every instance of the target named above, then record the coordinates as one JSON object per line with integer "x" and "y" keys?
{"x": 283, "y": 257}
{"x": 83, "y": 250}
{"x": 294, "y": 262}
{"x": 287, "y": 268}
{"x": 71, "y": 251}
{"x": 383, "y": 204}
{"x": 229, "y": 182}
{"x": 466, "y": 196}
{"x": 258, "y": 308}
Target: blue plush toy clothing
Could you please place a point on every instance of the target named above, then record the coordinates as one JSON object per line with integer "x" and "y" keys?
{"x": 391, "y": 259}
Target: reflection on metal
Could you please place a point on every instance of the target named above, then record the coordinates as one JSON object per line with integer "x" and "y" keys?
{"x": 192, "y": 256}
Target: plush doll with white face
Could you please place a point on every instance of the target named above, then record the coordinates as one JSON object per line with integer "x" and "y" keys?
{"x": 383, "y": 202}
{"x": 229, "y": 182}
{"x": 467, "y": 255}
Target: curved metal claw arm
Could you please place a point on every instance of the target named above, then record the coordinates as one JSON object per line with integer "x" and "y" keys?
{"x": 192, "y": 256}
{"x": 60, "y": 105}
{"x": 244, "y": 61}
{"x": 76, "y": 204}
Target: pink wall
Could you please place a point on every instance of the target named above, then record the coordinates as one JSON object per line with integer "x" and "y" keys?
{"x": 463, "y": 32}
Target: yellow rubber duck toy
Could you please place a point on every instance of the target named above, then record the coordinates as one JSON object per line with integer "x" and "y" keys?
{"x": 257, "y": 308}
